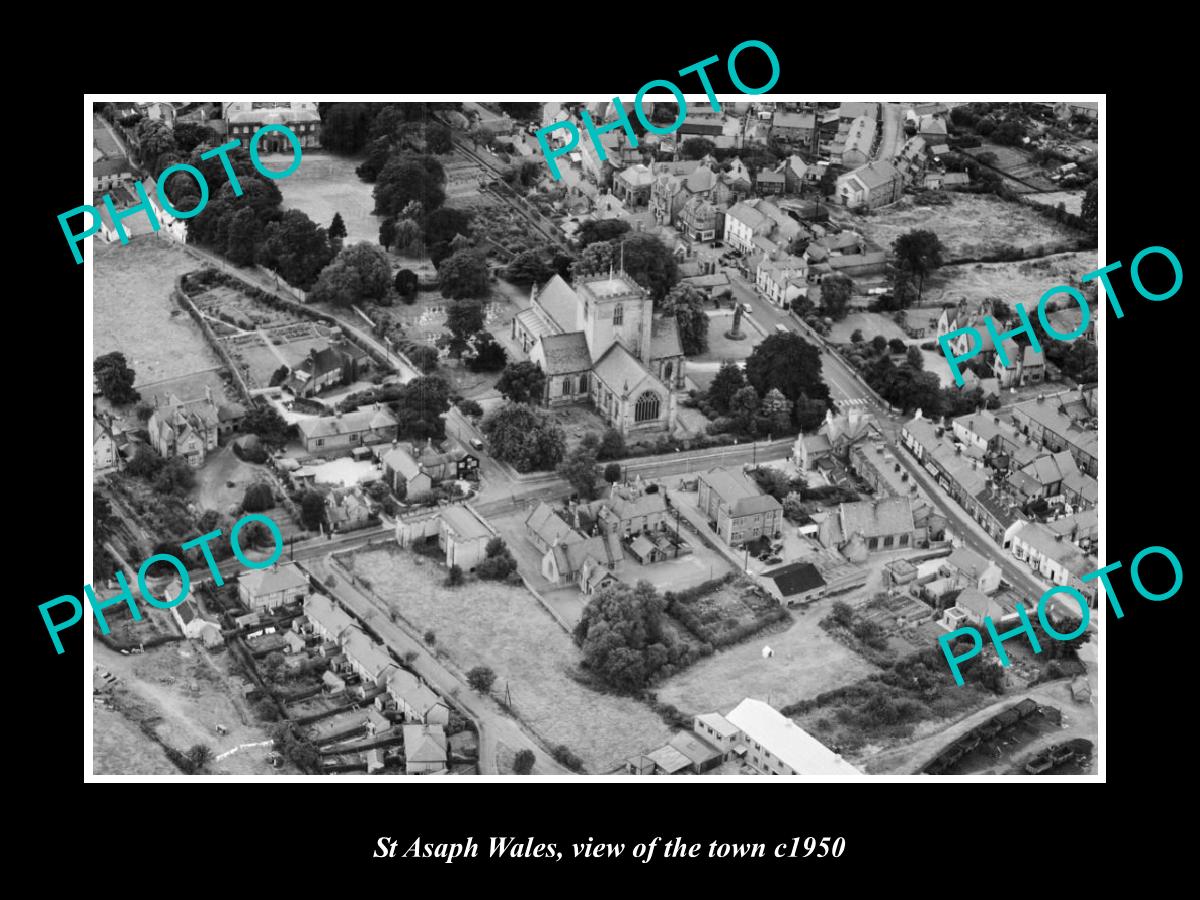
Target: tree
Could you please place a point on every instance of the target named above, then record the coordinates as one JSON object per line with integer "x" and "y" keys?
{"x": 612, "y": 473}
{"x": 481, "y": 135}
{"x": 530, "y": 266}
{"x": 154, "y": 138}
{"x": 481, "y": 679}
{"x": 879, "y": 343}
{"x": 438, "y": 138}
{"x": 778, "y": 409}
{"x": 612, "y": 445}
{"x": 895, "y": 345}
{"x": 175, "y": 477}
{"x": 522, "y": 382}
{"x": 115, "y": 378}
{"x": 836, "y": 291}
{"x": 199, "y": 756}
{"x": 407, "y": 284}
{"x": 486, "y": 354}
{"x": 268, "y": 425}
{"x": 686, "y": 304}
{"x": 696, "y": 148}
{"x": 649, "y": 262}
{"x": 857, "y": 336}
{"x": 743, "y": 407}
{"x": 406, "y": 178}
{"x": 464, "y": 274}
{"x": 727, "y": 382}
{"x": 918, "y": 252}
{"x": 464, "y": 318}
{"x": 790, "y": 363}
{"x": 430, "y": 637}
{"x": 596, "y": 230}
{"x": 523, "y": 762}
{"x": 258, "y": 497}
{"x": 423, "y": 357}
{"x": 578, "y": 468}
{"x": 443, "y": 225}
{"x": 295, "y": 248}
{"x": 145, "y": 463}
{"x": 337, "y": 228}
{"x": 828, "y": 183}
{"x": 454, "y": 576}
{"x": 420, "y": 407}
{"x": 312, "y": 511}
{"x": 842, "y": 613}
{"x": 387, "y": 232}
{"x": 624, "y": 638}
{"x": 914, "y": 359}
{"x": 1089, "y": 211}
{"x": 189, "y": 135}
{"x": 524, "y": 437}
{"x": 470, "y": 409}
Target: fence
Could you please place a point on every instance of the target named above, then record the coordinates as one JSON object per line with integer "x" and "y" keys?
{"x": 209, "y": 335}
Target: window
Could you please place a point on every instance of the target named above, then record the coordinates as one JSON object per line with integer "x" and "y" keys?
{"x": 618, "y": 314}
{"x": 887, "y": 541}
{"x": 647, "y": 407}
{"x": 583, "y": 383}
{"x": 668, "y": 369}
{"x": 320, "y": 442}
{"x": 873, "y": 543}
{"x": 566, "y": 386}
{"x": 904, "y": 540}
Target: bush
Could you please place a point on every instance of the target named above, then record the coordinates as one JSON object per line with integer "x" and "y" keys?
{"x": 455, "y": 576}
{"x": 430, "y": 637}
{"x": 481, "y": 679}
{"x": 523, "y": 762}
{"x": 563, "y": 755}
{"x": 258, "y": 497}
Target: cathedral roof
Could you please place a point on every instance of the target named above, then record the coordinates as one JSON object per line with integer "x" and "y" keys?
{"x": 566, "y": 353}
{"x": 664, "y": 338}
{"x": 560, "y": 302}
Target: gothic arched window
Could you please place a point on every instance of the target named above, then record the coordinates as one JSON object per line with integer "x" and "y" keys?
{"x": 566, "y": 385}
{"x": 646, "y": 407}
{"x": 668, "y": 368}
{"x": 618, "y": 314}
{"x": 583, "y": 383}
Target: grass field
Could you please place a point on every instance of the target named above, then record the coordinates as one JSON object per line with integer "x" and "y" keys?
{"x": 807, "y": 661}
{"x": 120, "y": 748}
{"x": 504, "y": 627}
{"x": 324, "y": 185}
{"x": 134, "y": 312}
{"x": 972, "y": 225}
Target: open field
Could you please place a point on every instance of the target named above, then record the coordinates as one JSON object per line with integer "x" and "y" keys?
{"x": 191, "y": 690}
{"x": 1014, "y": 282}
{"x": 134, "y": 312}
{"x": 807, "y": 661}
{"x": 871, "y": 325}
{"x": 325, "y": 184}
{"x": 120, "y": 748}
{"x": 1072, "y": 201}
{"x": 484, "y": 623}
{"x": 972, "y": 225}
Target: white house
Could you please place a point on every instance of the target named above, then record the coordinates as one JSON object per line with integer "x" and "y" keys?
{"x": 775, "y": 745}
{"x": 273, "y": 587}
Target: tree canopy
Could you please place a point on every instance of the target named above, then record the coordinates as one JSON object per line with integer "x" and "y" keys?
{"x": 624, "y": 638}
{"x": 686, "y": 304}
{"x": 526, "y": 438}
{"x": 115, "y": 378}
{"x": 464, "y": 274}
{"x": 789, "y": 363}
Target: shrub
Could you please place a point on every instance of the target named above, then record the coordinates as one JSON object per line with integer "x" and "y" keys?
{"x": 523, "y": 762}
{"x": 455, "y": 576}
{"x": 562, "y": 754}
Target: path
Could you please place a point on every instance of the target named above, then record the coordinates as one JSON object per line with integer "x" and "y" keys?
{"x": 893, "y": 133}
{"x": 243, "y": 747}
{"x": 494, "y": 726}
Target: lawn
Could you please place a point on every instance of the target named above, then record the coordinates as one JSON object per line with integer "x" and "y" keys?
{"x": 971, "y": 225}
{"x": 807, "y": 661}
{"x": 134, "y": 313}
{"x": 504, "y": 627}
{"x": 120, "y": 748}
{"x": 324, "y": 185}
{"x": 870, "y": 323}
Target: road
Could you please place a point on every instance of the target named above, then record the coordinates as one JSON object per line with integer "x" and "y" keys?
{"x": 310, "y": 548}
{"x": 893, "y": 131}
{"x": 493, "y": 724}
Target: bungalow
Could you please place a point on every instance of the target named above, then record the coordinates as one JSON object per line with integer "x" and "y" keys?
{"x": 735, "y": 507}
{"x": 404, "y": 475}
{"x": 271, "y": 588}
{"x": 346, "y": 431}
{"x": 795, "y": 584}
{"x": 424, "y": 749}
{"x": 463, "y": 536}
{"x": 415, "y": 701}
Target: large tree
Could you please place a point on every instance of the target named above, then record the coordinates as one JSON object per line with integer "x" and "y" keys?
{"x": 579, "y": 469}
{"x": 727, "y": 382}
{"x": 115, "y": 378}
{"x": 697, "y": 148}
{"x": 406, "y": 178}
{"x": 337, "y": 228}
{"x": 154, "y": 138}
{"x": 648, "y": 262}
{"x": 595, "y": 230}
{"x": 533, "y": 265}
{"x": 188, "y": 135}
{"x": 1089, "y": 211}
{"x": 464, "y": 274}
{"x": 296, "y": 248}
{"x": 360, "y": 272}
{"x": 464, "y": 318}
{"x": 526, "y": 438}
{"x": 522, "y": 382}
{"x": 686, "y": 304}
{"x": 345, "y": 126}
{"x": 624, "y": 636}
{"x": 920, "y": 252}
{"x": 789, "y": 363}
{"x": 836, "y": 291}
{"x": 420, "y": 407}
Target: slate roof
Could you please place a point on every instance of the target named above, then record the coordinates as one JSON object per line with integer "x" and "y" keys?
{"x": 602, "y": 548}
{"x": 718, "y": 723}
{"x": 749, "y": 506}
{"x": 695, "y": 748}
{"x": 974, "y": 600}
{"x": 566, "y": 353}
{"x": 549, "y": 526}
{"x": 259, "y": 582}
{"x": 730, "y": 485}
{"x": 876, "y": 174}
{"x": 877, "y": 518}
{"x": 636, "y": 176}
{"x": 320, "y": 609}
{"x": 796, "y": 578}
{"x": 625, "y": 508}
{"x": 746, "y": 214}
{"x": 368, "y": 655}
{"x": 664, "y": 337}
{"x": 619, "y": 369}
{"x": 464, "y": 523}
{"x": 405, "y": 687}
{"x": 398, "y": 460}
{"x": 1051, "y": 468}
{"x": 535, "y": 323}
{"x": 856, "y": 108}
{"x": 424, "y": 744}
{"x": 968, "y": 562}
{"x": 560, "y": 303}
{"x": 669, "y": 759}
{"x": 349, "y": 423}
{"x": 701, "y": 179}
{"x": 1082, "y": 484}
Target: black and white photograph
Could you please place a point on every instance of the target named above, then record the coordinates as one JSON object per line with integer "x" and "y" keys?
{"x": 578, "y": 438}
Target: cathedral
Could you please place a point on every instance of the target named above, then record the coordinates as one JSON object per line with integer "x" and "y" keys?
{"x": 600, "y": 340}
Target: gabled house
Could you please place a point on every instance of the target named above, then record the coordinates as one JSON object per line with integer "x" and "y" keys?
{"x": 782, "y": 280}
{"x": 415, "y": 701}
{"x": 582, "y": 562}
{"x": 424, "y": 749}
{"x": 328, "y": 620}
{"x": 735, "y": 507}
{"x": 545, "y": 528}
{"x": 795, "y": 584}
{"x": 1054, "y": 558}
{"x": 966, "y": 568}
{"x": 873, "y": 185}
{"x": 369, "y": 660}
{"x": 270, "y": 588}
{"x": 1024, "y": 365}
{"x": 188, "y": 429}
{"x": 347, "y": 431}
{"x": 404, "y": 475}
{"x": 346, "y": 510}
{"x": 338, "y": 363}
{"x": 875, "y": 525}
{"x": 834, "y": 438}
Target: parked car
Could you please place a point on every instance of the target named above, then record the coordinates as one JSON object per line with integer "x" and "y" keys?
{"x": 747, "y": 308}
{"x": 476, "y": 443}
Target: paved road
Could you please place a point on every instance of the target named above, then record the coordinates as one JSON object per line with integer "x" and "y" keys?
{"x": 493, "y": 724}
{"x": 893, "y": 132}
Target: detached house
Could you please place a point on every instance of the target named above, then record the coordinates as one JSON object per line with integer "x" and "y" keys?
{"x": 404, "y": 475}
{"x": 347, "y": 431}
{"x": 187, "y": 429}
{"x": 873, "y": 185}
{"x": 273, "y": 587}
{"x": 588, "y": 562}
{"x": 339, "y": 363}
{"x": 834, "y": 438}
{"x": 736, "y": 508}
